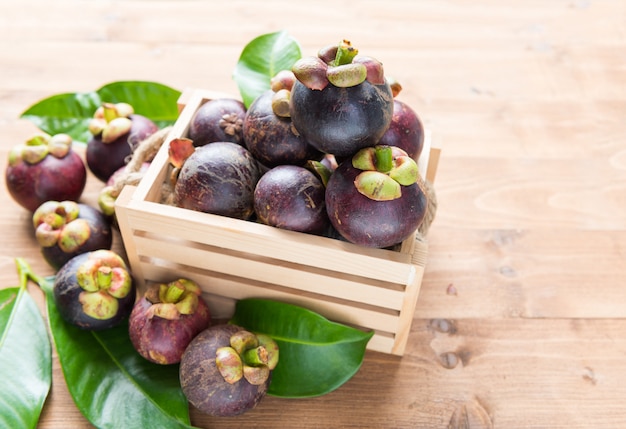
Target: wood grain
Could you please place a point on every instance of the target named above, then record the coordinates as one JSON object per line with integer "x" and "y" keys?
{"x": 521, "y": 318}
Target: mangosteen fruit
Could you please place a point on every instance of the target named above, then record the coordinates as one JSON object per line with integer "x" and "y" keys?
{"x": 376, "y": 198}
{"x": 271, "y": 138}
{"x": 218, "y": 120}
{"x": 65, "y": 229}
{"x": 291, "y": 197}
{"x": 405, "y": 131}
{"x": 116, "y": 131}
{"x": 218, "y": 178}
{"x": 94, "y": 290}
{"x": 340, "y": 104}
{"x": 226, "y": 370}
{"x": 165, "y": 320}
{"x": 45, "y": 168}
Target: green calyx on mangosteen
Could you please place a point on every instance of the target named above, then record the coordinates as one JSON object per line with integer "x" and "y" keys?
{"x": 376, "y": 198}
{"x": 165, "y": 320}
{"x": 45, "y": 168}
{"x": 116, "y": 131}
{"x": 94, "y": 290}
{"x": 385, "y": 169}
{"x": 66, "y": 229}
{"x": 341, "y": 101}
{"x": 226, "y": 370}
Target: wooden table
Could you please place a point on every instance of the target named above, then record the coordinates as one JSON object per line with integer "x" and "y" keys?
{"x": 521, "y": 317}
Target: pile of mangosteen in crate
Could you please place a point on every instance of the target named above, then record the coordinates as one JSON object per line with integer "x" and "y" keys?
{"x": 326, "y": 151}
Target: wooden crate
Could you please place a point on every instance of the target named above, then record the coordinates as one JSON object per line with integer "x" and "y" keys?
{"x": 233, "y": 259}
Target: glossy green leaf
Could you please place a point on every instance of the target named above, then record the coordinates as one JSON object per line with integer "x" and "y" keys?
{"x": 316, "y": 356}
{"x": 25, "y": 357}
{"x": 111, "y": 384}
{"x": 70, "y": 112}
{"x": 261, "y": 59}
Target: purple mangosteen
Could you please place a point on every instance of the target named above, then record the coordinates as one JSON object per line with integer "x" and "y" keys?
{"x": 45, "y": 168}
{"x": 117, "y": 131}
{"x": 375, "y": 198}
{"x": 340, "y": 102}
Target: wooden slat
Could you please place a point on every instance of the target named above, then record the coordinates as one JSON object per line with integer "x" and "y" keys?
{"x": 342, "y": 311}
{"x": 262, "y": 240}
{"x": 274, "y": 271}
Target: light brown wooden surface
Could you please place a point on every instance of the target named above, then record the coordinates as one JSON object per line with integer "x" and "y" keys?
{"x": 521, "y": 319}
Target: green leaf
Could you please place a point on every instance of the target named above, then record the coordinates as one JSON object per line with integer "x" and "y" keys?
{"x": 65, "y": 113}
{"x": 316, "y": 356}
{"x": 111, "y": 384}
{"x": 25, "y": 357}
{"x": 70, "y": 112}
{"x": 150, "y": 99}
{"x": 261, "y": 59}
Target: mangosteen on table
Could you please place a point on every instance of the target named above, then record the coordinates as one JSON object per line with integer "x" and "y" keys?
{"x": 165, "y": 320}
{"x": 341, "y": 101}
{"x": 218, "y": 120}
{"x": 226, "y": 370}
{"x": 291, "y": 197}
{"x": 94, "y": 290}
{"x": 65, "y": 229}
{"x": 45, "y": 168}
{"x": 375, "y": 198}
{"x": 117, "y": 131}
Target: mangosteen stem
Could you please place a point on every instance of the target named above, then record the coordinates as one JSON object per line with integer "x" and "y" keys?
{"x": 345, "y": 53}
{"x": 105, "y": 277}
{"x": 384, "y": 158}
{"x": 38, "y": 140}
{"x": 173, "y": 293}
{"x": 110, "y": 111}
{"x": 255, "y": 357}
{"x": 271, "y": 348}
{"x": 55, "y": 220}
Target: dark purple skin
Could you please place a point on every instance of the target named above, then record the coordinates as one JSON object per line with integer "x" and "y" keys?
{"x": 163, "y": 341}
{"x": 271, "y": 139}
{"x": 203, "y": 385}
{"x": 341, "y": 121}
{"x": 104, "y": 159}
{"x": 66, "y": 291}
{"x": 101, "y": 237}
{"x": 370, "y": 223}
{"x": 218, "y": 120}
{"x": 52, "y": 179}
{"x": 291, "y": 197}
{"x": 218, "y": 178}
{"x": 405, "y": 131}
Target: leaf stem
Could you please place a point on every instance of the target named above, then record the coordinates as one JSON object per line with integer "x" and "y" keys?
{"x": 25, "y": 273}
